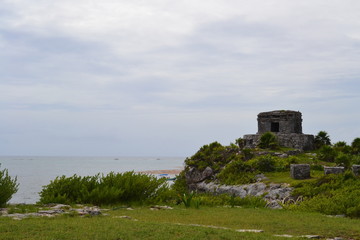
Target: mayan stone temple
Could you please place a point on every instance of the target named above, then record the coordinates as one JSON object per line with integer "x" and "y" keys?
{"x": 286, "y": 125}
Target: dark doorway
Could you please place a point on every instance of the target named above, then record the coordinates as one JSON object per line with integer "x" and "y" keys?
{"x": 275, "y": 127}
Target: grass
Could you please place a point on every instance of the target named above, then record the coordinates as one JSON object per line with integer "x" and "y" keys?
{"x": 284, "y": 177}
{"x": 176, "y": 224}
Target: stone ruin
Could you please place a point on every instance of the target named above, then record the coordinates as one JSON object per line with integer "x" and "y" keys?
{"x": 300, "y": 171}
{"x": 356, "y": 170}
{"x": 334, "y": 170}
{"x": 286, "y": 125}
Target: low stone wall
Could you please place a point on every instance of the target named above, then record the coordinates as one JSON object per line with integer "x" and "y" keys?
{"x": 333, "y": 170}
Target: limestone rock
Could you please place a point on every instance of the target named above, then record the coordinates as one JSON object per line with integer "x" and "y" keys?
{"x": 195, "y": 176}
{"x": 271, "y": 193}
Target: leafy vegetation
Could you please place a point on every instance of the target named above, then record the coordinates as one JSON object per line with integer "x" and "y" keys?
{"x": 322, "y": 139}
{"x": 331, "y": 194}
{"x": 235, "y": 164}
{"x": 213, "y": 155}
{"x": 113, "y": 188}
{"x": 268, "y": 141}
{"x": 8, "y": 187}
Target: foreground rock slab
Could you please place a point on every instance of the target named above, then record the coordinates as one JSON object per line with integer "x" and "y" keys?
{"x": 55, "y": 210}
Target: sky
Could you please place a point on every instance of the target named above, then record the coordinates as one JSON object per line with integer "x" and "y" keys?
{"x": 163, "y": 78}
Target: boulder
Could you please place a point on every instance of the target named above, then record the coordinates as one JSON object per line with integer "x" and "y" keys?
{"x": 300, "y": 171}
{"x": 196, "y": 176}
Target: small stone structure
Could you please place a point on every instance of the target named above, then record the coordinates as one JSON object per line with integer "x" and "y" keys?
{"x": 300, "y": 171}
{"x": 333, "y": 170}
{"x": 356, "y": 170}
{"x": 286, "y": 125}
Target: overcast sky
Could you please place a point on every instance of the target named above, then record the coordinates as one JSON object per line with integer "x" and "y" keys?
{"x": 163, "y": 78}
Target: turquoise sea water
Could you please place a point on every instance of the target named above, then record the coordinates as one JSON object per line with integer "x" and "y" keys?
{"x": 34, "y": 172}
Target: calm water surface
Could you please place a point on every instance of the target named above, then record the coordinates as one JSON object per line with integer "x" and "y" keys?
{"x": 34, "y": 172}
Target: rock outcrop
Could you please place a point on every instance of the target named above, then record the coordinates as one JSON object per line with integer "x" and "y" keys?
{"x": 193, "y": 175}
{"x": 272, "y": 193}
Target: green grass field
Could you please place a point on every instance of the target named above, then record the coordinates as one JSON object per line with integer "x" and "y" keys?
{"x": 177, "y": 224}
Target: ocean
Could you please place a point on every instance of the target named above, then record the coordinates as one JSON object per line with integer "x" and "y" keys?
{"x": 34, "y": 172}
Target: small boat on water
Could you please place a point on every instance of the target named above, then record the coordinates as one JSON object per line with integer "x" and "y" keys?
{"x": 168, "y": 178}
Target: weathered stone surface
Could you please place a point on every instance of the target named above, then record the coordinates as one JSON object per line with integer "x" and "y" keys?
{"x": 195, "y": 176}
{"x": 356, "y": 169}
{"x": 333, "y": 170}
{"x": 300, "y": 171}
{"x": 55, "y": 211}
{"x": 291, "y": 140}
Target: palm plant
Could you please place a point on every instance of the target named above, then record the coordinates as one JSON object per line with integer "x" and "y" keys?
{"x": 321, "y": 139}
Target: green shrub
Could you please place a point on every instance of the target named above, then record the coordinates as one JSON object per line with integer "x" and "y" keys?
{"x": 8, "y": 187}
{"x": 240, "y": 142}
{"x": 247, "y": 153}
{"x": 237, "y": 172}
{"x": 331, "y": 194}
{"x": 268, "y": 140}
{"x": 327, "y": 154}
{"x": 179, "y": 185}
{"x": 213, "y": 155}
{"x": 341, "y": 146}
{"x": 231, "y": 200}
{"x": 283, "y": 164}
{"x": 344, "y": 160}
{"x": 265, "y": 163}
{"x": 186, "y": 199}
{"x": 355, "y": 145}
{"x": 113, "y": 188}
{"x": 322, "y": 139}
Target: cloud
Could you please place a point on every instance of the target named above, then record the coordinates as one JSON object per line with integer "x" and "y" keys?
{"x": 185, "y": 72}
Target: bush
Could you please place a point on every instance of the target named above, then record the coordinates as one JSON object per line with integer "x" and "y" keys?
{"x": 8, "y": 187}
{"x": 331, "y": 194}
{"x": 268, "y": 140}
{"x": 180, "y": 186}
{"x": 327, "y": 154}
{"x": 113, "y": 188}
{"x": 228, "y": 200}
{"x": 355, "y": 145}
{"x": 208, "y": 155}
{"x": 341, "y": 146}
{"x": 265, "y": 163}
{"x": 237, "y": 172}
{"x": 283, "y": 164}
{"x": 247, "y": 153}
{"x": 322, "y": 139}
{"x": 344, "y": 160}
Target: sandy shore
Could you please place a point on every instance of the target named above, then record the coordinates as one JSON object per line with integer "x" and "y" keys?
{"x": 168, "y": 171}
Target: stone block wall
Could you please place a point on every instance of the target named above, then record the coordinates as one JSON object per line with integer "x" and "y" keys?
{"x": 333, "y": 170}
{"x": 300, "y": 171}
{"x": 356, "y": 169}
{"x": 292, "y": 140}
